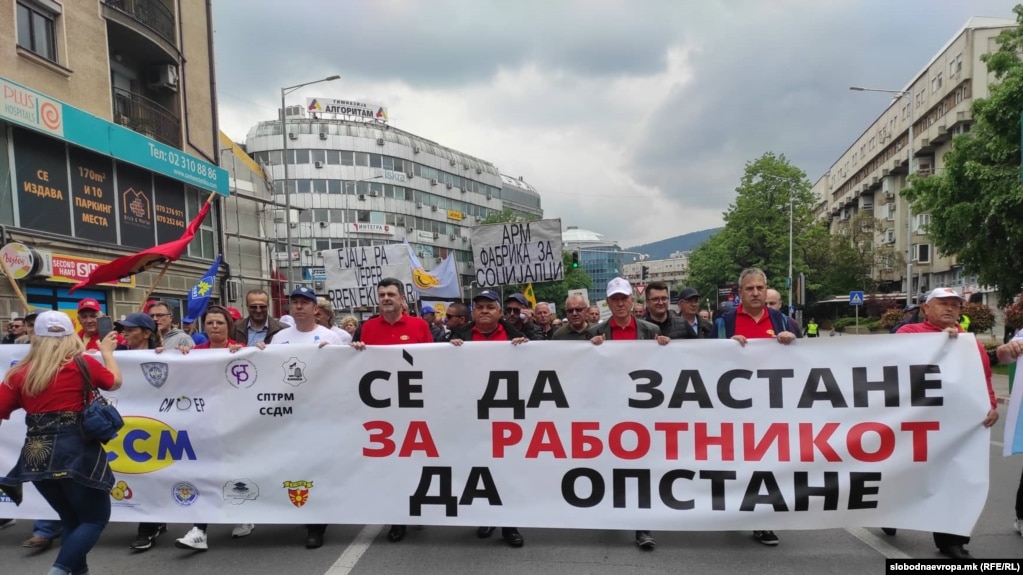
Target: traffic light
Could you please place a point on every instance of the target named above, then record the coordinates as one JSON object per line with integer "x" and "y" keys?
{"x": 645, "y": 272}
{"x": 575, "y": 260}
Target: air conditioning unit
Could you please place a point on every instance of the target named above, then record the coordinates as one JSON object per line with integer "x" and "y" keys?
{"x": 319, "y": 286}
{"x": 465, "y": 166}
{"x": 293, "y": 224}
{"x": 317, "y": 164}
{"x": 489, "y": 196}
{"x": 374, "y": 194}
{"x": 433, "y": 208}
{"x": 436, "y": 235}
{"x": 292, "y": 136}
{"x": 449, "y": 185}
{"x": 452, "y": 162}
{"x": 307, "y": 252}
{"x": 479, "y": 170}
{"x": 437, "y": 260}
{"x": 162, "y": 77}
{"x": 362, "y": 197}
{"x": 323, "y": 135}
{"x": 322, "y": 224}
{"x": 232, "y": 289}
{"x": 419, "y": 205}
{"x": 433, "y": 181}
{"x": 889, "y": 196}
{"x": 889, "y": 236}
{"x": 416, "y": 150}
{"x": 884, "y": 172}
{"x": 465, "y": 190}
{"x": 464, "y": 239}
{"x": 380, "y": 141}
{"x": 410, "y": 174}
{"x": 451, "y": 237}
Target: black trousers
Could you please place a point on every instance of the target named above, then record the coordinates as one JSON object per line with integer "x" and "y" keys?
{"x": 943, "y": 540}
{"x": 321, "y": 529}
{"x": 1019, "y": 499}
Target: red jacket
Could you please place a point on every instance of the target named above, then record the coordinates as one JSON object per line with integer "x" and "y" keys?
{"x": 927, "y": 327}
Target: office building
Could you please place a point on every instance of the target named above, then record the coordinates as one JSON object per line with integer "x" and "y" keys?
{"x": 599, "y": 257}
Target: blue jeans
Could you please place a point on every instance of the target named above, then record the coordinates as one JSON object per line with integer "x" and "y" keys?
{"x": 46, "y": 528}
{"x": 84, "y": 513}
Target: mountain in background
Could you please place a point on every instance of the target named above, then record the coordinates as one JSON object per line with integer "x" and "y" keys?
{"x": 663, "y": 249}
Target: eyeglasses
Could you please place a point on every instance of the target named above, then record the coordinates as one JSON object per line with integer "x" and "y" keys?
{"x": 512, "y": 310}
{"x": 575, "y": 309}
{"x": 258, "y": 307}
{"x": 159, "y": 315}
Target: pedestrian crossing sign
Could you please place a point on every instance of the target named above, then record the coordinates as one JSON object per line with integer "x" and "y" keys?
{"x": 855, "y": 298}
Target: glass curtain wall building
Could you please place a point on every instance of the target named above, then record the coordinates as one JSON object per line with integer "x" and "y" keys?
{"x": 600, "y": 258}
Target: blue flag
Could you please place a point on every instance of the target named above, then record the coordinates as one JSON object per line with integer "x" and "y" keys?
{"x": 441, "y": 282}
{"x": 199, "y": 297}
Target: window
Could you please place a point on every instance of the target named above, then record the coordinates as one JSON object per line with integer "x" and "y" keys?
{"x": 922, "y": 253}
{"x": 920, "y": 222}
{"x": 361, "y": 159}
{"x": 936, "y": 82}
{"x": 204, "y": 245}
{"x": 36, "y": 30}
{"x": 347, "y": 158}
{"x": 319, "y": 186}
{"x": 334, "y": 186}
{"x": 322, "y": 245}
{"x": 318, "y": 156}
{"x": 301, "y": 157}
{"x": 320, "y": 215}
{"x": 333, "y": 157}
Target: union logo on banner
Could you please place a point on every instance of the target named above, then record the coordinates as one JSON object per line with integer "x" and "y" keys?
{"x": 298, "y": 492}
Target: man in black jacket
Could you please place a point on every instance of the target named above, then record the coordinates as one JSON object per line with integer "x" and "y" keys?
{"x": 658, "y": 301}
{"x": 487, "y": 325}
{"x": 695, "y": 326}
{"x": 623, "y": 326}
{"x": 515, "y": 309}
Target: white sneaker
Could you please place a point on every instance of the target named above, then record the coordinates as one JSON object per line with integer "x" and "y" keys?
{"x": 1017, "y": 525}
{"x": 243, "y": 530}
{"x": 194, "y": 539}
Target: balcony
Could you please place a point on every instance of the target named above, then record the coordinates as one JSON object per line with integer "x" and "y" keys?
{"x": 152, "y": 14}
{"x": 138, "y": 113}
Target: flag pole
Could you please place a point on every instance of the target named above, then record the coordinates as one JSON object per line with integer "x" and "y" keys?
{"x": 163, "y": 272}
{"x": 14, "y": 284}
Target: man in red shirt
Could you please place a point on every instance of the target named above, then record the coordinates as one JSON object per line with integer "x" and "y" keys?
{"x": 941, "y": 312}
{"x": 392, "y": 327}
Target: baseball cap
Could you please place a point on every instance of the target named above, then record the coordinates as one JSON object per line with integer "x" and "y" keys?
{"x": 427, "y": 309}
{"x": 304, "y": 291}
{"x": 517, "y": 297}
{"x": 944, "y": 292}
{"x": 619, "y": 286}
{"x": 53, "y": 324}
{"x": 487, "y": 294}
{"x": 89, "y": 303}
{"x": 688, "y": 293}
{"x": 287, "y": 320}
{"x": 137, "y": 319}
{"x": 236, "y": 314}
{"x": 911, "y": 307}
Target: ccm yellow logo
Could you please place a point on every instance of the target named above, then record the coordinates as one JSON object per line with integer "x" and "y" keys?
{"x": 145, "y": 445}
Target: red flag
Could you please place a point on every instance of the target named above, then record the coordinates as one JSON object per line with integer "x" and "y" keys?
{"x": 142, "y": 261}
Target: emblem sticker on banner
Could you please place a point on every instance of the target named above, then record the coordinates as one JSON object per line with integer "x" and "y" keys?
{"x": 156, "y": 373}
{"x": 185, "y": 494}
{"x": 241, "y": 373}
{"x": 298, "y": 492}
{"x": 122, "y": 495}
{"x": 239, "y": 491}
{"x": 294, "y": 372}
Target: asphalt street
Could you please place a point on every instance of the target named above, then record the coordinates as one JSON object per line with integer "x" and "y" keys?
{"x": 364, "y": 549}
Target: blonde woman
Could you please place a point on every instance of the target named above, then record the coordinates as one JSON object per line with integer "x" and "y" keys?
{"x": 350, "y": 323}
{"x": 69, "y": 470}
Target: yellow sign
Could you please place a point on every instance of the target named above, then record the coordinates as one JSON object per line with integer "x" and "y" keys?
{"x": 453, "y": 215}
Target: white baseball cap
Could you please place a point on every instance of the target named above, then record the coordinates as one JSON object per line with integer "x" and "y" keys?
{"x": 619, "y": 285}
{"x": 53, "y": 324}
{"x": 944, "y": 292}
{"x": 287, "y": 320}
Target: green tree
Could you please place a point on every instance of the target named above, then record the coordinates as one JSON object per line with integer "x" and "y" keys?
{"x": 756, "y": 232}
{"x": 557, "y": 292}
{"x": 976, "y": 203}
{"x": 848, "y": 259}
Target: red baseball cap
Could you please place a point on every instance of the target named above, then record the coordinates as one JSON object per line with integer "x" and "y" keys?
{"x": 89, "y": 303}
{"x": 236, "y": 314}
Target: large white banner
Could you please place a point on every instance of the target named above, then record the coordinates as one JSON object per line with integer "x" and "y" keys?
{"x": 353, "y": 273}
{"x": 517, "y": 253}
{"x": 696, "y": 435}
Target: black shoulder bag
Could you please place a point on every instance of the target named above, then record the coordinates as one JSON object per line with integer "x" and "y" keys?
{"x": 100, "y": 419}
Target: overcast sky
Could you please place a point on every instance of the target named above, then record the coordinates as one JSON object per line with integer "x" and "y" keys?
{"x": 633, "y": 119}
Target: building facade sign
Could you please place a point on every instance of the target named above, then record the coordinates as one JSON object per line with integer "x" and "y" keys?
{"x": 73, "y": 269}
{"x": 31, "y": 109}
{"x": 365, "y": 110}
{"x": 364, "y": 228}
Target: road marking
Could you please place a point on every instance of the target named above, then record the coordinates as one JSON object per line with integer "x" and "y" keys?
{"x": 351, "y": 555}
{"x": 876, "y": 543}
{"x": 997, "y": 444}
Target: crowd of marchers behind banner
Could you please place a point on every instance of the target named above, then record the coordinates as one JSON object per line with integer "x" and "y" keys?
{"x": 54, "y": 394}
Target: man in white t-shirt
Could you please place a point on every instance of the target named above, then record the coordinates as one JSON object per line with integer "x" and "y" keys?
{"x": 306, "y": 330}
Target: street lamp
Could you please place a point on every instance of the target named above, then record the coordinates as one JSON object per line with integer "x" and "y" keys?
{"x": 284, "y": 158}
{"x": 790, "y": 283}
{"x": 344, "y": 212}
{"x": 909, "y": 212}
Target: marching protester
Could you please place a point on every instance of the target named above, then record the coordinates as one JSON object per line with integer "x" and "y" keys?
{"x": 516, "y": 314}
{"x": 658, "y": 301}
{"x": 350, "y": 323}
{"x": 624, "y": 326}
{"x": 593, "y": 314}
{"x": 393, "y": 327}
{"x": 219, "y": 324}
{"x": 544, "y": 320}
{"x": 638, "y": 311}
{"x": 704, "y": 313}
{"x": 455, "y": 317}
{"x": 940, "y": 312}
{"x": 302, "y": 305}
{"x": 88, "y": 312}
{"x": 139, "y": 332}
{"x": 752, "y": 319}
{"x": 325, "y": 317}
{"x": 171, "y": 336}
{"x": 488, "y": 325}
{"x": 575, "y": 328}
{"x": 697, "y": 326}
{"x": 30, "y": 322}
{"x": 15, "y": 329}
{"x": 50, "y": 384}
{"x": 259, "y": 326}
{"x": 430, "y": 317}
{"x": 773, "y": 301}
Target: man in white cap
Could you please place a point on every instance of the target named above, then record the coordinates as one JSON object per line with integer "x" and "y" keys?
{"x": 941, "y": 312}
{"x": 623, "y": 326}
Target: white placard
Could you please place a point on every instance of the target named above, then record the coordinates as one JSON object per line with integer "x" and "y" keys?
{"x": 518, "y": 253}
{"x": 353, "y": 273}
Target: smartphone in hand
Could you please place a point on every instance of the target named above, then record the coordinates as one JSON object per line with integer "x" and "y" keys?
{"x": 104, "y": 325}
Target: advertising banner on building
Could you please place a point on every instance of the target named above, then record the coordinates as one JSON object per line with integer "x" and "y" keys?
{"x": 353, "y": 274}
{"x": 517, "y": 253}
{"x": 365, "y": 110}
{"x": 700, "y": 435}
